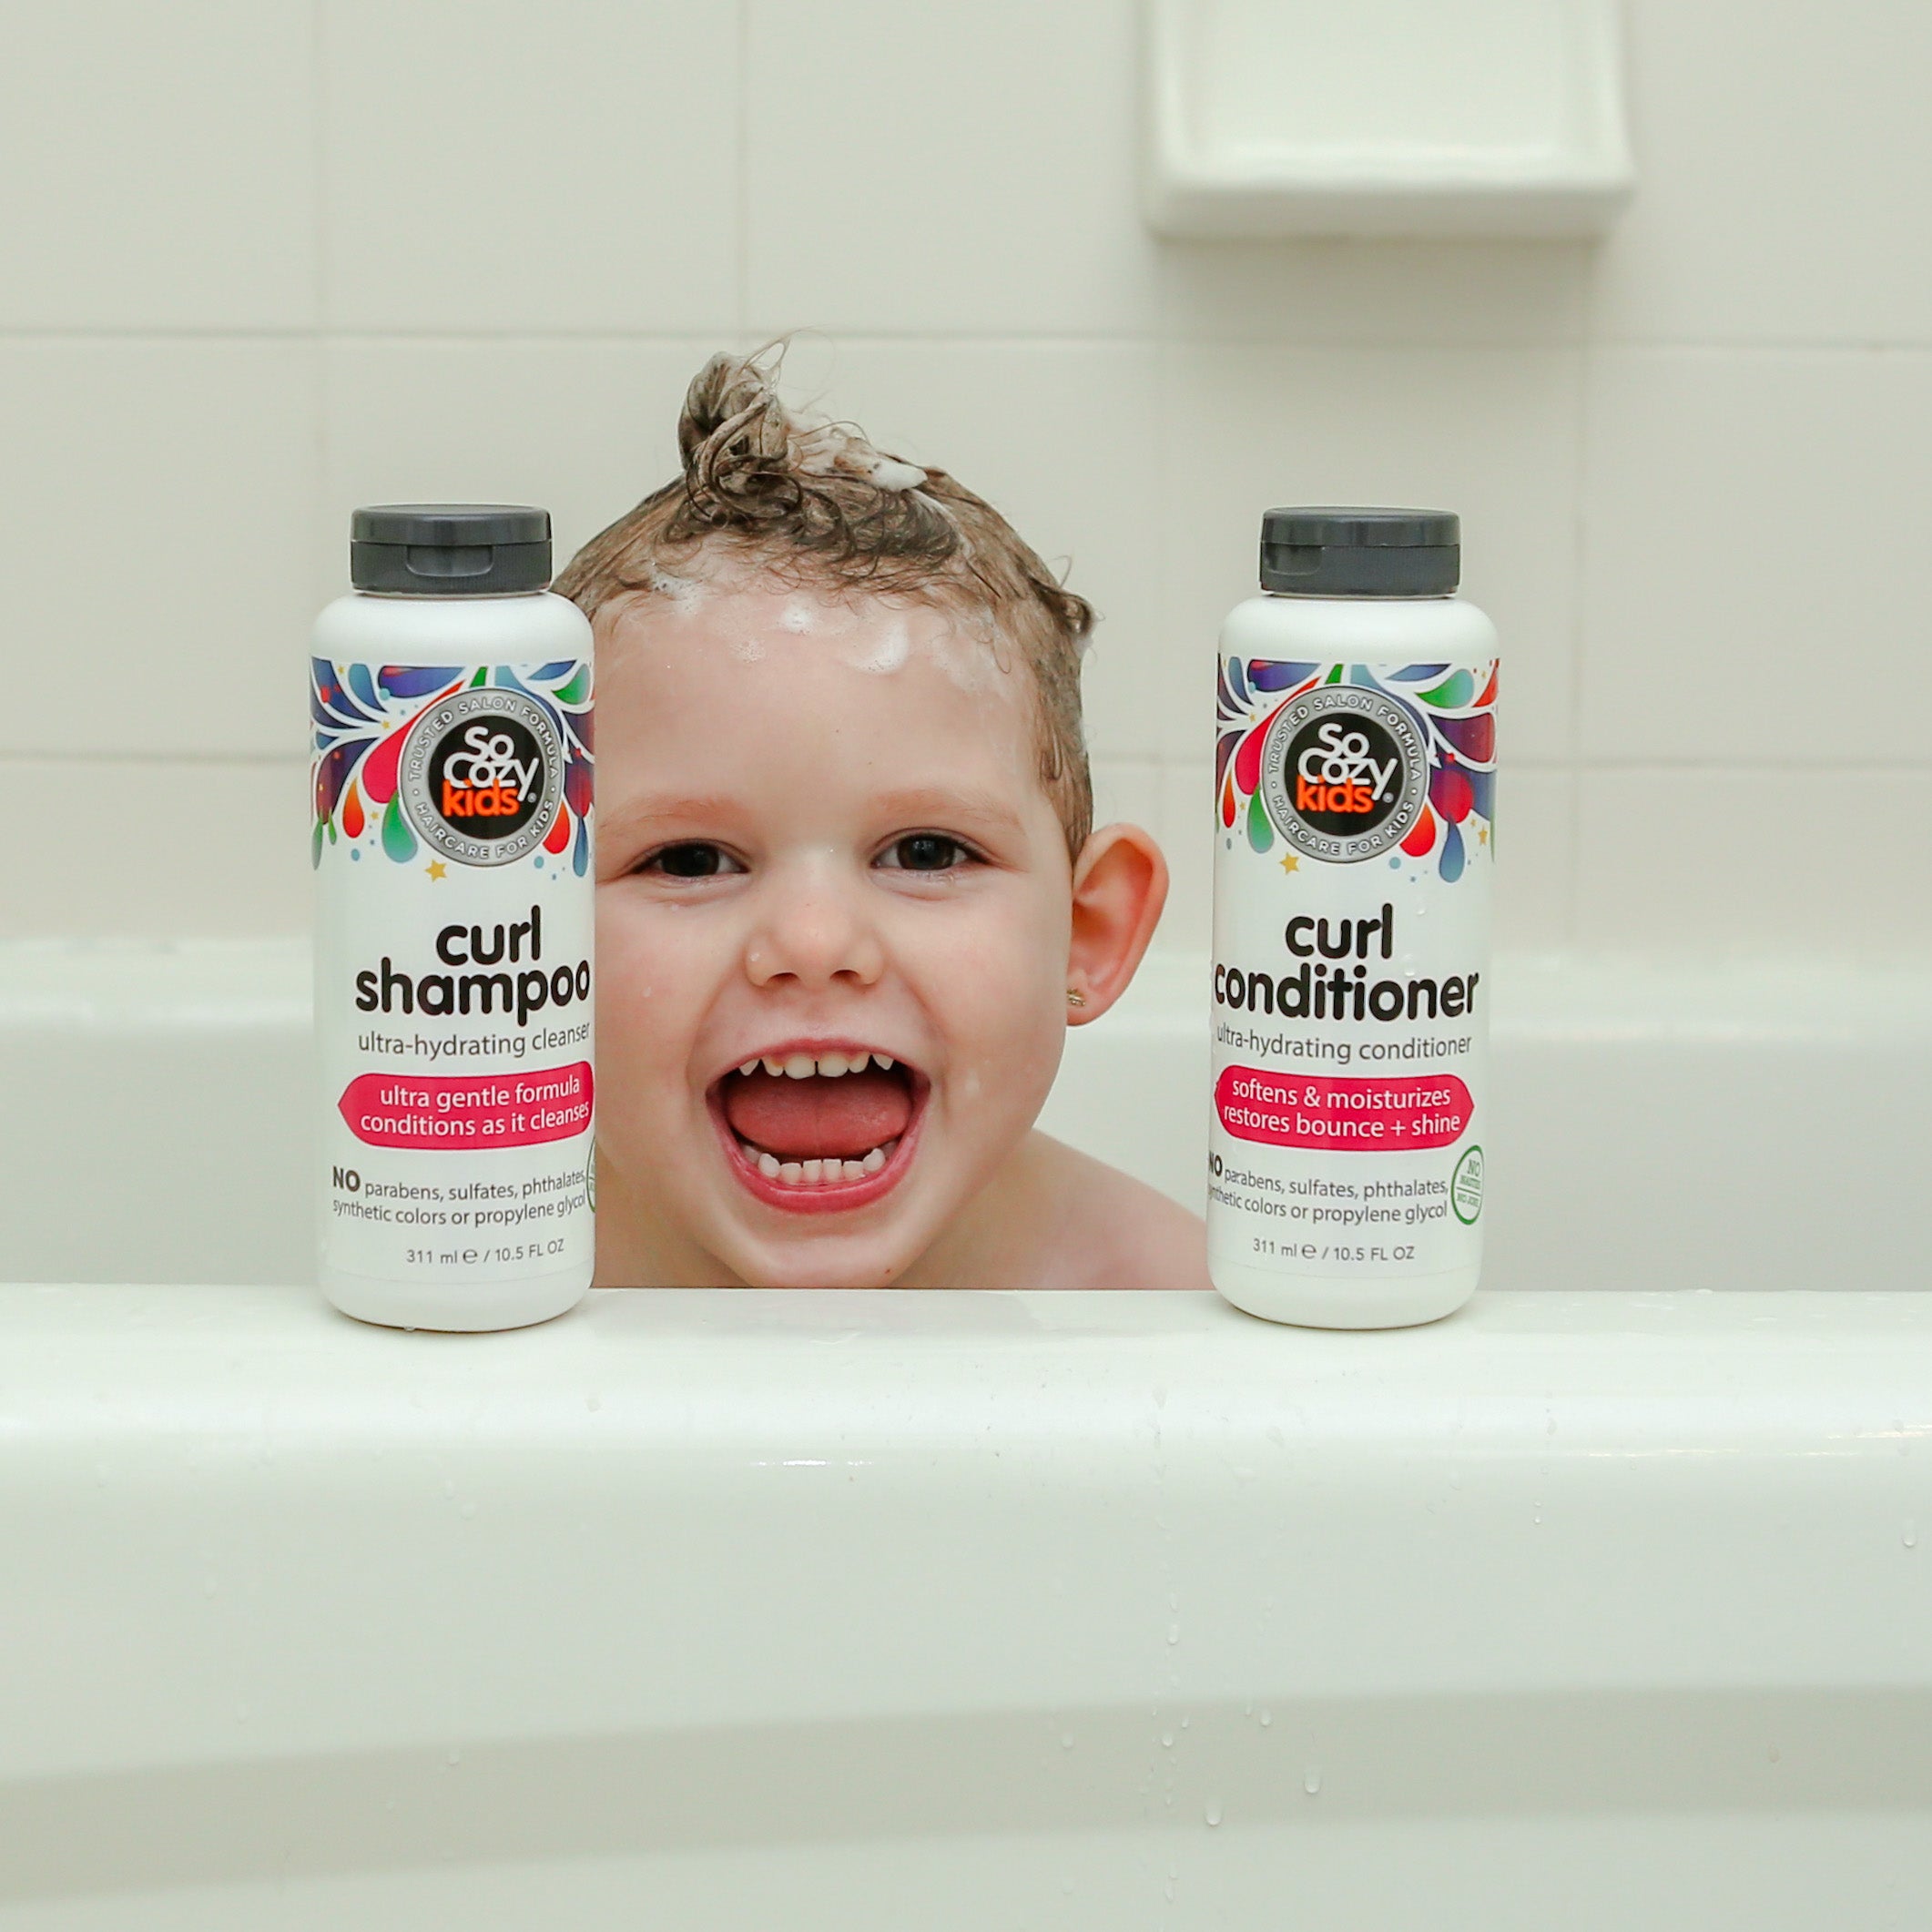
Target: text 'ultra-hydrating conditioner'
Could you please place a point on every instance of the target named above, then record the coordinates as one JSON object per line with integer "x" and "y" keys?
{"x": 1355, "y": 800}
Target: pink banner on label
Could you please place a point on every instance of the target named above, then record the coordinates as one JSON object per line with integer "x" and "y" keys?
{"x": 1367, "y": 1116}
{"x": 469, "y": 1111}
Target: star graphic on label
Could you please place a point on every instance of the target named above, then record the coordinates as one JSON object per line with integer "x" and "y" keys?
{"x": 1291, "y": 863}
{"x": 436, "y": 868}
{"x": 1482, "y": 835}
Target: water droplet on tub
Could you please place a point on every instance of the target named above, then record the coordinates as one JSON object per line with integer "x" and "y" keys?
{"x": 1213, "y": 1811}
{"x": 1312, "y": 1783}
{"x": 1774, "y": 1753}
{"x": 1185, "y": 1721}
{"x": 1173, "y": 1634}
{"x": 1066, "y": 1740}
{"x": 1267, "y": 1717}
{"x": 453, "y": 1758}
{"x": 1167, "y": 1740}
{"x": 1908, "y": 1536}
{"x": 1173, "y": 1603}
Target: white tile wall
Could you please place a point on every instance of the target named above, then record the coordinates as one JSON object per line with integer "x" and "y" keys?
{"x": 267, "y": 259}
{"x": 160, "y": 165}
{"x": 491, "y": 166}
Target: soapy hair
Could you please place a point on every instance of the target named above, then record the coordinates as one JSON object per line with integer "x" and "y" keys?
{"x": 816, "y": 503}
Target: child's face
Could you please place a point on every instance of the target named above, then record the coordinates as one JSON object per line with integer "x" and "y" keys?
{"x": 823, "y": 845}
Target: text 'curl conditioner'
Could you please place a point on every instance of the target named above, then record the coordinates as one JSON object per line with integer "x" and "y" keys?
{"x": 1355, "y": 770}
{"x": 451, "y": 699}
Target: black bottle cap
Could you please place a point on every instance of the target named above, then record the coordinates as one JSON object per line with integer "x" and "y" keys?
{"x": 1361, "y": 553}
{"x": 449, "y": 550}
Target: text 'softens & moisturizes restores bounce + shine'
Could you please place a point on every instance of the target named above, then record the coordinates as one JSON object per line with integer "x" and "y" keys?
{"x": 450, "y": 697}
{"x": 1355, "y": 800}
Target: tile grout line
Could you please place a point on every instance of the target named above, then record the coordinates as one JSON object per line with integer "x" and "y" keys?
{"x": 741, "y": 211}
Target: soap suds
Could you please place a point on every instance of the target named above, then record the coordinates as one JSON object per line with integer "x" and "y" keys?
{"x": 890, "y": 473}
{"x": 885, "y": 650}
{"x": 684, "y": 594}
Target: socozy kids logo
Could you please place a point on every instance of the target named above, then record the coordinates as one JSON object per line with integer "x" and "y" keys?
{"x": 482, "y": 774}
{"x": 1343, "y": 774}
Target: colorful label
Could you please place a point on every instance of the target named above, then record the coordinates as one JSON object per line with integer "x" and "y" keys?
{"x": 452, "y": 845}
{"x": 1356, "y": 813}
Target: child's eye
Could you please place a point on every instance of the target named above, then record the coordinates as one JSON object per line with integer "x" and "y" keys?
{"x": 695, "y": 858}
{"x": 925, "y": 852}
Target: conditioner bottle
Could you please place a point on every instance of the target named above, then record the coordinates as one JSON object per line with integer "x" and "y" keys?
{"x": 450, "y": 700}
{"x": 1355, "y": 800}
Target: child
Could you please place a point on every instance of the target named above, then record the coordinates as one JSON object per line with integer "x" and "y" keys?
{"x": 848, "y": 894}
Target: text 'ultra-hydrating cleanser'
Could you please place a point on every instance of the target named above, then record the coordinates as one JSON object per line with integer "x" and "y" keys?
{"x": 451, "y": 699}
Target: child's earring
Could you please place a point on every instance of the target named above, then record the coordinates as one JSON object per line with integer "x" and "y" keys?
{"x": 1075, "y": 999}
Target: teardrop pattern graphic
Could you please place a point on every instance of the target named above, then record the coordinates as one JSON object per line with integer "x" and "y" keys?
{"x": 1260, "y": 833}
{"x": 379, "y": 774}
{"x": 1482, "y": 793}
{"x": 558, "y": 836}
{"x": 1450, "y": 792}
{"x": 1274, "y": 675}
{"x": 1452, "y": 709}
{"x": 363, "y": 714}
{"x": 404, "y": 680}
{"x": 577, "y": 785}
{"x": 580, "y": 855}
{"x": 398, "y": 841}
{"x": 1247, "y": 759}
{"x": 1473, "y": 739}
{"x": 1452, "y": 693}
{"x": 1224, "y": 750}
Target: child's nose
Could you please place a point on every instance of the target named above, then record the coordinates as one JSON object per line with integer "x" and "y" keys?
{"x": 814, "y": 932}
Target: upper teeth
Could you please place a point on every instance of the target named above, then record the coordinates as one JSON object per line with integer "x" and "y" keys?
{"x": 828, "y": 1066}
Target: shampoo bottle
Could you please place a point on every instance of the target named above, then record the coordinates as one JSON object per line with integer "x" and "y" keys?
{"x": 451, "y": 699}
{"x": 1355, "y": 798}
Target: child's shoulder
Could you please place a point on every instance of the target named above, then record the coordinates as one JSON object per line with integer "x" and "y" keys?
{"x": 1110, "y": 1231}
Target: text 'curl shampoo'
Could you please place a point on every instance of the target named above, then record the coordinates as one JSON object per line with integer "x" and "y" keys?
{"x": 450, "y": 700}
{"x": 1354, "y": 841}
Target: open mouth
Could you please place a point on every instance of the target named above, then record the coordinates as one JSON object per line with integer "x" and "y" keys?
{"x": 819, "y": 1128}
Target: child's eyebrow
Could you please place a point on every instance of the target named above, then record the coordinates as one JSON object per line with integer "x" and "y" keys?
{"x": 978, "y": 806}
{"x": 644, "y": 813}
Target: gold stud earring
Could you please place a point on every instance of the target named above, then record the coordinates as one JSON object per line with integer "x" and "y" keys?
{"x": 1075, "y": 999}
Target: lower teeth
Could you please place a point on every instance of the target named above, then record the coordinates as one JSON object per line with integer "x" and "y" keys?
{"x": 820, "y": 1173}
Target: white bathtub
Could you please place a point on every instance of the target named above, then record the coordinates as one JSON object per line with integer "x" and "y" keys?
{"x": 1656, "y": 1127}
{"x": 851, "y": 1611}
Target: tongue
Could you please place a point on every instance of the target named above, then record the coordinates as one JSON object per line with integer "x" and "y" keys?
{"x": 816, "y": 1118}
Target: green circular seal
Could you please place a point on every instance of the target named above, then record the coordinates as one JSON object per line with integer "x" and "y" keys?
{"x": 1466, "y": 1187}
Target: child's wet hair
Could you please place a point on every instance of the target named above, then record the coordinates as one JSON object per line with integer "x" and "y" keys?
{"x": 818, "y": 505}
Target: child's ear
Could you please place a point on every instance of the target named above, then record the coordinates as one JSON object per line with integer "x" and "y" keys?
{"x": 1120, "y": 884}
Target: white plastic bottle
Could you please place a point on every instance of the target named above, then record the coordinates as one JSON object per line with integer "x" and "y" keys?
{"x": 451, "y": 699}
{"x": 1354, "y": 779}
